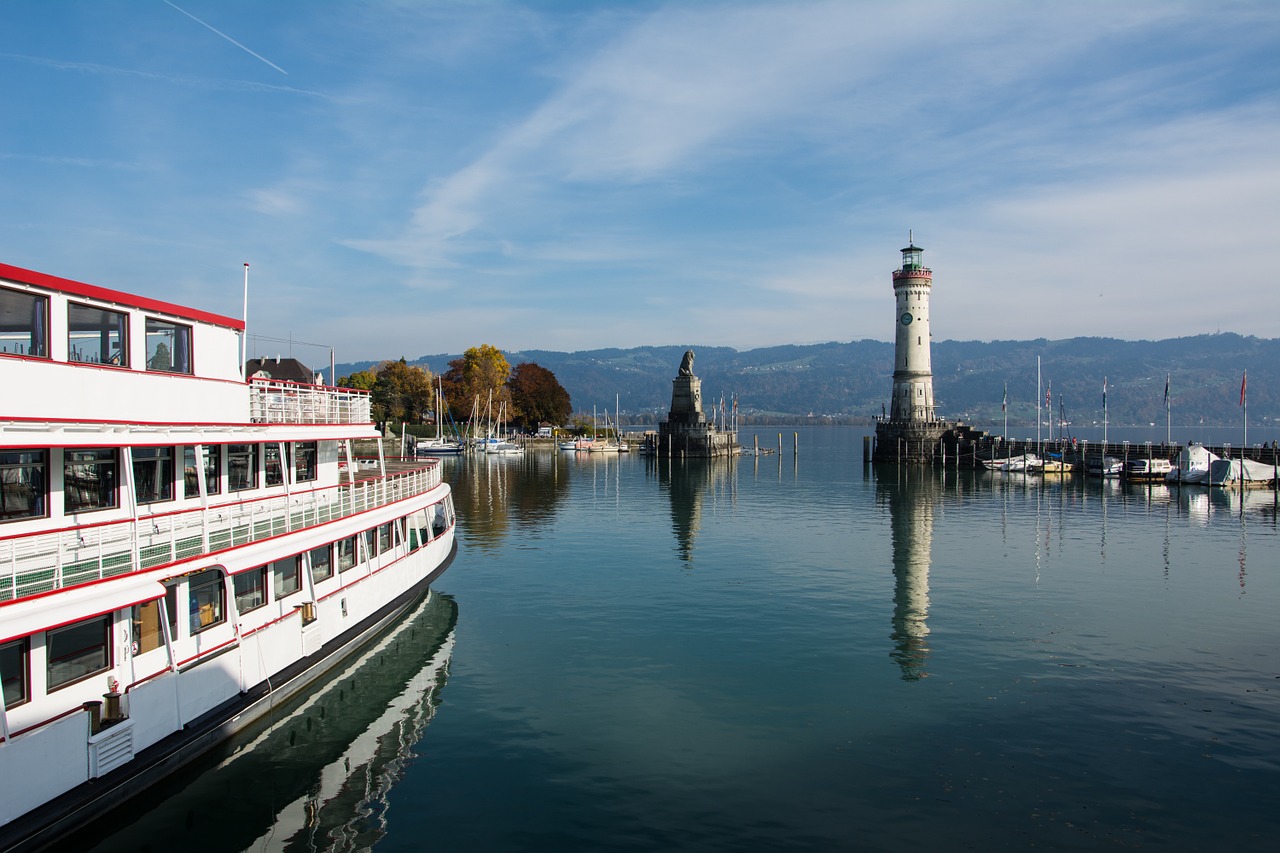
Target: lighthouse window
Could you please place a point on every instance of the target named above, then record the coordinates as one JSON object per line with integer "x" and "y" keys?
{"x": 78, "y": 651}
{"x": 24, "y": 324}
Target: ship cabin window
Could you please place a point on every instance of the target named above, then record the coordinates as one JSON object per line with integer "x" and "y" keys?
{"x": 97, "y": 335}
{"x": 251, "y": 589}
{"x": 371, "y": 543}
{"x": 148, "y": 635}
{"x": 304, "y": 462}
{"x": 384, "y": 538}
{"x": 206, "y": 598}
{"x": 242, "y": 467}
{"x": 23, "y": 489}
{"x": 212, "y": 462}
{"x": 345, "y": 552}
{"x": 153, "y": 474}
{"x": 272, "y": 463}
{"x": 168, "y": 346}
{"x": 24, "y": 324}
{"x": 419, "y": 529}
{"x": 14, "y": 662}
{"x": 440, "y": 519}
{"x": 287, "y": 574}
{"x": 89, "y": 479}
{"x": 78, "y": 651}
{"x": 321, "y": 564}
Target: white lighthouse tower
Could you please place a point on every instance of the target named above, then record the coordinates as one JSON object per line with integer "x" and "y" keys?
{"x": 912, "y": 369}
{"x": 911, "y": 430}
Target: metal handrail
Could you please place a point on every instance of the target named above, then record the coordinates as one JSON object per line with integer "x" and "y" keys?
{"x": 273, "y": 401}
{"x": 43, "y": 562}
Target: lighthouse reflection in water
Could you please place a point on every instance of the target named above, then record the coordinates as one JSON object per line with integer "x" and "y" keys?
{"x": 911, "y": 493}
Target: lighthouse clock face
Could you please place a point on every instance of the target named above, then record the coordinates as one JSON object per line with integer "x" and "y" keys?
{"x": 907, "y": 318}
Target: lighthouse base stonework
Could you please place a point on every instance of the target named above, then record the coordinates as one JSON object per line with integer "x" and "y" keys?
{"x": 913, "y": 441}
{"x": 686, "y": 431}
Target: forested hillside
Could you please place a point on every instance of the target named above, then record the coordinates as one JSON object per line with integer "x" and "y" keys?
{"x": 854, "y": 379}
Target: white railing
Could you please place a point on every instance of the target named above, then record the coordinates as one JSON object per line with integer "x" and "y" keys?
{"x": 44, "y": 562}
{"x": 272, "y": 401}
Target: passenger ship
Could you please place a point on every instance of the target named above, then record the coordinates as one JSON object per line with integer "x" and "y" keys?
{"x": 182, "y": 548}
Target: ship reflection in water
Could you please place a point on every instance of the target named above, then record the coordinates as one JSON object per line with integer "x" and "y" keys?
{"x": 911, "y": 493}
{"x": 318, "y": 778}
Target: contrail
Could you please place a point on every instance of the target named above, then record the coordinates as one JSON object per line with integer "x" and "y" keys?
{"x": 229, "y": 38}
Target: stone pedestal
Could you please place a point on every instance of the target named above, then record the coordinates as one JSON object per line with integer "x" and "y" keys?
{"x": 686, "y": 431}
{"x": 910, "y": 441}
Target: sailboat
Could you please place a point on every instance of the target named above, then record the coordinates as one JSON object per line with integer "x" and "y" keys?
{"x": 439, "y": 446}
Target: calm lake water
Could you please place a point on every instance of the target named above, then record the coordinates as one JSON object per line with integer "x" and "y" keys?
{"x": 784, "y": 653}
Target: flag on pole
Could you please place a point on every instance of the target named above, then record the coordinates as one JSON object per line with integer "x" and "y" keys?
{"x": 1166, "y": 389}
{"x": 1104, "y": 393}
{"x": 1244, "y": 381}
{"x": 1048, "y": 395}
{"x": 1004, "y": 404}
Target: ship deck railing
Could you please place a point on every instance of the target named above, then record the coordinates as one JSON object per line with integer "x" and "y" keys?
{"x": 31, "y": 564}
{"x": 274, "y": 401}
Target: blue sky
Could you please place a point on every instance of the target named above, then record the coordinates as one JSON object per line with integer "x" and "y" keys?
{"x": 408, "y": 178}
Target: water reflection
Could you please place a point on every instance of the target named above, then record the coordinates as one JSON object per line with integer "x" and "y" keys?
{"x": 687, "y": 482}
{"x": 316, "y": 779}
{"x": 495, "y": 493}
{"x": 911, "y": 493}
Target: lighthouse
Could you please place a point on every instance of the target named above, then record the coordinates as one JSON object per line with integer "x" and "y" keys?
{"x": 912, "y": 370}
{"x": 910, "y": 430}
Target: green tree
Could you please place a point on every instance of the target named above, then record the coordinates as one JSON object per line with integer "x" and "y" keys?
{"x": 403, "y": 392}
{"x": 537, "y": 396}
{"x": 481, "y": 370}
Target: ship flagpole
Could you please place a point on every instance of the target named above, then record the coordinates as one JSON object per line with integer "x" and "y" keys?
{"x": 244, "y": 335}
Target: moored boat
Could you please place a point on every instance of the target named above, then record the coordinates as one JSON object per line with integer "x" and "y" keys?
{"x": 182, "y": 548}
{"x": 1148, "y": 470}
{"x": 1103, "y": 466}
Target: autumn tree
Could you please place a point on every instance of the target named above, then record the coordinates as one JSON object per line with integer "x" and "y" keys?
{"x": 481, "y": 370}
{"x": 398, "y": 391}
{"x": 537, "y": 396}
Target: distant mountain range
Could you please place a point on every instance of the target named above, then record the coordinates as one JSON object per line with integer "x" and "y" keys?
{"x": 851, "y": 381}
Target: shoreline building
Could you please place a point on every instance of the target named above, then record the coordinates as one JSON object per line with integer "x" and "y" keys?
{"x": 912, "y": 431}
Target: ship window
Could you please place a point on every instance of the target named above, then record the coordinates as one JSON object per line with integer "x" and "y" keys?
{"x": 78, "y": 651}
{"x": 371, "y": 543}
{"x": 346, "y": 551}
{"x": 153, "y": 474}
{"x": 22, "y": 484}
{"x": 251, "y": 589}
{"x": 96, "y": 335}
{"x": 271, "y": 462}
{"x": 304, "y": 461}
{"x": 212, "y": 461}
{"x": 168, "y": 346}
{"x": 419, "y": 529}
{"x": 321, "y": 564}
{"x": 206, "y": 599}
{"x": 89, "y": 479}
{"x": 384, "y": 538}
{"x": 147, "y": 633}
{"x": 24, "y": 323}
{"x": 440, "y": 519}
{"x": 14, "y": 662}
{"x": 242, "y": 466}
{"x": 287, "y": 574}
